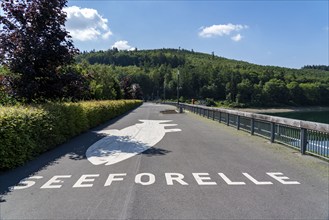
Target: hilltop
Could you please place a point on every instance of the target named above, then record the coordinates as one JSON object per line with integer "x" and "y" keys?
{"x": 207, "y": 76}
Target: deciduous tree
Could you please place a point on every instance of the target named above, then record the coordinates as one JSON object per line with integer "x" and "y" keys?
{"x": 35, "y": 45}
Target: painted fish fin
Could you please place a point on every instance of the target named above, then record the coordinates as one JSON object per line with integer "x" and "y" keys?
{"x": 156, "y": 121}
{"x": 170, "y": 125}
{"x": 173, "y": 130}
{"x": 109, "y": 132}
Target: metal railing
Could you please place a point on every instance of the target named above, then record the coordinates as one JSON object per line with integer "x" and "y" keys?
{"x": 305, "y": 136}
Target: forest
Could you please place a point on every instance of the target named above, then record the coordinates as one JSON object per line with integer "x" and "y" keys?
{"x": 211, "y": 79}
{"x": 39, "y": 63}
{"x": 205, "y": 77}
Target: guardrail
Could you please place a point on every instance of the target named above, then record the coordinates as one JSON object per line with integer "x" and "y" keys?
{"x": 305, "y": 136}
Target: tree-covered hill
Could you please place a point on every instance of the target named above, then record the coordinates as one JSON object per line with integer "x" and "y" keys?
{"x": 205, "y": 76}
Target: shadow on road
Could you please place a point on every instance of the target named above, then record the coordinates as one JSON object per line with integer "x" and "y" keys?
{"x": 155, "y": 152}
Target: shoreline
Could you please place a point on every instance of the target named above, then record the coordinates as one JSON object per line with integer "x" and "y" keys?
{"x": 284, "y": 109}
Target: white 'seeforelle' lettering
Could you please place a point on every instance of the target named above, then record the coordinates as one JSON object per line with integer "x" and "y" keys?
{"x": 147, "y": 179}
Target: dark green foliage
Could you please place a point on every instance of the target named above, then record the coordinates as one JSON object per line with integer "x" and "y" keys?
{"x": 296, "y": 94}
{"x": 210, "y": 102}
{"x": 6, "y": 92}
{"x": 103, "y": 83}
{"x": 25, "y": 132}
{"x": 207, "y": 76}
{"x": 316, "y": 67}
{"x": 132, "y": 58}
{"x": 275, "y": 92}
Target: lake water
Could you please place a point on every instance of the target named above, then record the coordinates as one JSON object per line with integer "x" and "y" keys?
{"x": 318, "y": 116}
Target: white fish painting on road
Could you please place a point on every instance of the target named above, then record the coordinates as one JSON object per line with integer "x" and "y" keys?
{"x": 119, "y": 145}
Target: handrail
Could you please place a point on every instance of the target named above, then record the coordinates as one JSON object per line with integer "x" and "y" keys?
{"x": 279, "y": 120}
{"x": 307, "y": 136}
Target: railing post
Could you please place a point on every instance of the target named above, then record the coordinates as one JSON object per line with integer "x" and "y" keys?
{"x": 279, "y": 130}
{"x": 252, "y": 126}
{"x": 238, "y": 122}
{"x": 303, "y": 140}
{"x": 272, "y": 131}
{"x": 220, "y": 117}
{"x": 228, "y": 119}
{"x": 207, "y": 113}
{"x": 180, "y": 108}
{"x": 213, "y": 115}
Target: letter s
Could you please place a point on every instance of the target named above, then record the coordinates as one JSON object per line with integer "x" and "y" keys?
{"x": 26, "y": 183}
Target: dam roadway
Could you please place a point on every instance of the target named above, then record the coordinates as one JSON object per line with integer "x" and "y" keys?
{"x": 154, "y": 164}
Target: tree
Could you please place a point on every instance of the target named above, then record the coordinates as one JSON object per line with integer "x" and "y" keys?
{"x": 125, "y": 85}
{"x": 276, "y": 91}
{"x": 35, "y": 45}
{"x": 219, "y": 78}
{"x": 296, "y": 94}
{"x": 130, "y": 90}
{"x": 136, "y": 91}
{"x": 103, "y": 83}
{"x": 245, "y": 89}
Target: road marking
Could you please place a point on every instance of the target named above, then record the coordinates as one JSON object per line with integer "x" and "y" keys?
{"x": 27, "y": 183}
{"x": 228, "y": 181}
{"x": 256, "y": 181}
{"x": 84, "y": 178}
{"x": 147, "y": 179}
{"x": 178, "y": 177}
{"x": 54, "y": 179}
{"x": 281, "y": 179}
{"x": 120, "y": 145}
{"x": 202, "y": 177}
{"x": 112, "y": 177}
{"x": 151, "y": 179}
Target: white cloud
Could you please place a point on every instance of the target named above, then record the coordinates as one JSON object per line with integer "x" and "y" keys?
{"x": 221, "y": 30}
{"x": 107, "y": 35}
{"x": 237, "y": 37}
{"x": 86, "y": 24}
{"x": 122, "y": 45}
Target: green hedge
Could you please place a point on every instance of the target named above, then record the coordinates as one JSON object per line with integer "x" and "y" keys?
{"x": 25, "y": 132}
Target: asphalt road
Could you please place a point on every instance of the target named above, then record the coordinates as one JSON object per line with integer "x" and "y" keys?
{"x": 197, "y": 169}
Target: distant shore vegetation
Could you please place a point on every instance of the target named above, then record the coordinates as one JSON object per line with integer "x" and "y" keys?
{"x": 213, "y": 80}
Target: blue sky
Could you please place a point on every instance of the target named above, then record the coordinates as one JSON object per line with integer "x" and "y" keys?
{"x": 282, "y": 33}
